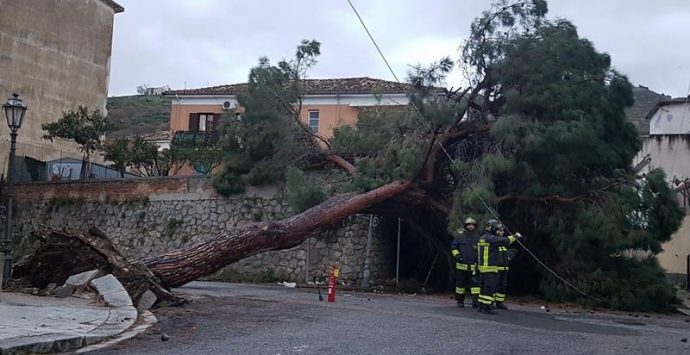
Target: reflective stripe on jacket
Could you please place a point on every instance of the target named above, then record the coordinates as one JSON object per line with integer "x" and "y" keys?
{"x": 464, "y": 250}
{"x": 491, "y": 253}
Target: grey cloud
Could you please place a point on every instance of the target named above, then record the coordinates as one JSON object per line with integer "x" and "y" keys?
{"x": 213, "y": 42}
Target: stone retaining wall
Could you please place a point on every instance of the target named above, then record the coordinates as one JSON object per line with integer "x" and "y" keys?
{"x": 145, "y": 219}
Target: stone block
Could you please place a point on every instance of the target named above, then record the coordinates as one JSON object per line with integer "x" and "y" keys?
{"x": 107, "y": 284}
{"x": 64, "y": 291}
{"x": 117, "y": 299}
{"x": 146, "y": 300}
{"x": 111, "y": 291}
{"x": 48, "y": 289}
{"x": 80, "y": 280}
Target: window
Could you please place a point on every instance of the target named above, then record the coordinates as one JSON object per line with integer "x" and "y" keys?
{"x": 201, "y": 122}
{"x": 206, "y": 122}
{"x": 314, "y": 121}
{"x": 193, "y": 122}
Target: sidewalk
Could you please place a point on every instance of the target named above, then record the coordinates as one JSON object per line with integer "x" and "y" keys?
{"x": 32, "y": 324}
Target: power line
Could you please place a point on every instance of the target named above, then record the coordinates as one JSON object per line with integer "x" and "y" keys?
{"x": 409, "y": 98}
{"x": 452, "y": 161}
{"x": 532, "y": 254}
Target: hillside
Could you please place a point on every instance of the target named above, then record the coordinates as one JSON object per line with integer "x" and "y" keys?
{"x": 137, "y": 115}
{"x": 645, "y": 100}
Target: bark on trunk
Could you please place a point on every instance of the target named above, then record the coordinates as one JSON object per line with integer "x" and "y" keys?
{"x": 184, "y": 265}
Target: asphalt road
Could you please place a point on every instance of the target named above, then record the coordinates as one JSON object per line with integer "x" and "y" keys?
{"x": 249, "y": 319}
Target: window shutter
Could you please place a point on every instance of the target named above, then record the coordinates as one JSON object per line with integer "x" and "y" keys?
{"x": 214, "y": 123}
{"x": 193, "y": 122}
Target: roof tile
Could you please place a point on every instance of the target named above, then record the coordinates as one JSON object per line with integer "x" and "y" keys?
{"x": 362, "y": 85}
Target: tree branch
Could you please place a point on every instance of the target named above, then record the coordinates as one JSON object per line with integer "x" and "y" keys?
{"x": 544, "y": 199}
{"x": 421, "y": 195}
{"x": 344, "y": 164}
{"x": 441, "y": 142}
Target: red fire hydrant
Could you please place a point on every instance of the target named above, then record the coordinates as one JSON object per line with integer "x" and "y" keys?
{"x": 332, "y": 277}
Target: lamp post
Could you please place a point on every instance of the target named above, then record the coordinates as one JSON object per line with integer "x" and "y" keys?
{"x": 14, "y": 112}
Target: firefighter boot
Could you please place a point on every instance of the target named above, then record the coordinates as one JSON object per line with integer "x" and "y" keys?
{"x": 461, "y": 301}
{"x": 485, "y": 308}
{"x": 475, "y": 301}
{"x": 501, "y": 305}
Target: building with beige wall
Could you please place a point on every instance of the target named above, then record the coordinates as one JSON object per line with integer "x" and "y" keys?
{"x": 326, "y": 103}
{"x": 56, "y": 56}
{"x": 668, "y": 147}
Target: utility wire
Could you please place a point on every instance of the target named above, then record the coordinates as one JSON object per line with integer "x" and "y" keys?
{"x": 534, "y": 256}
{"x": 395, "y": 76}
{"x": 452, "y": 161}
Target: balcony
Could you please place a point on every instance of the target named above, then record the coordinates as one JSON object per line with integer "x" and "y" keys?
{"x": 191, "y": 139}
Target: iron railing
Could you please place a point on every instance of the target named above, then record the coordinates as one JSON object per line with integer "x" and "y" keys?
{"x": 195, "y": 138}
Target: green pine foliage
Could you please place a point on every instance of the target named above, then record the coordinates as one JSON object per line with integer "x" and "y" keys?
{"x": 302, "y": 193}
{"x": 561, "y": 133}
{"x": 268, "y": 138}
{"x": 548, "y": 149}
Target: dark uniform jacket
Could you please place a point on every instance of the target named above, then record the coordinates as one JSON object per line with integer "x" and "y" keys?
{"x": 464, "y": 249}
{"x": 492, "y": 252}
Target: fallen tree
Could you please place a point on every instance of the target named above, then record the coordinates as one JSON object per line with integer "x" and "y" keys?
{"x": 540, "y": 135}
{"x": 181, "y": 266}
{"x": 64, "y": 253}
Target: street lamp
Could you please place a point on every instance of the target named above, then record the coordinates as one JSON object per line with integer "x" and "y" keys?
{"x": 14, "y": 112}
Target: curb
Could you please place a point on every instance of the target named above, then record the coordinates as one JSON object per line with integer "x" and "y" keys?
{"x": 145, "y": 321}
{"x": 119, "y": 320}
{"x": 123, "y": 322}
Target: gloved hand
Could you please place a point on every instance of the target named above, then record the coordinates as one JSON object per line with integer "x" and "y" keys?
{"x": 520, "y": 237}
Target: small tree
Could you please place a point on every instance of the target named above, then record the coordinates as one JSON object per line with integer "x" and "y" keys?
{"x": 203, "y": 159}
{"x": 144, "y": 156}
{"x": 170, "y": 161}
{"x": 85, "y": 127}
{"x": 141, "y": 89}
{"x": 149, "y": 161}
{"x": 118, "y": 152}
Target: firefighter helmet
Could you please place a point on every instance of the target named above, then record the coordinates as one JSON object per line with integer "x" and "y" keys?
{"x": 492, "y": 226}
{"x": 470, "y": 220}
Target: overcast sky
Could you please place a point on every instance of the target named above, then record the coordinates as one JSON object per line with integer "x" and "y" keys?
{"x": 191, "y": 44}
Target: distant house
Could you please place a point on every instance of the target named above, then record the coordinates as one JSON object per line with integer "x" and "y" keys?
{"x": 327, "y": 103}
{"x": 161, "y": 138}
{"x": 156, "y": 91}
{"x": 668, "y": 147}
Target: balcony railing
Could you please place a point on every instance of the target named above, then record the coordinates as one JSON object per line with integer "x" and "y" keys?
{"x": 195, "y": 138}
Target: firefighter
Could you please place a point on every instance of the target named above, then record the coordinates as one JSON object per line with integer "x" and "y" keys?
{"x": 464, "y": 251}
{"x": 490, "y": 260}
{"x": 507, "y": 256}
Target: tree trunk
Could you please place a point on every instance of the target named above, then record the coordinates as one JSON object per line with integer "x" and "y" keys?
{"x": 184, "y": 265}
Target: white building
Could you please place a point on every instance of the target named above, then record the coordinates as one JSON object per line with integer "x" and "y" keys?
{"x": 668, "y": 147}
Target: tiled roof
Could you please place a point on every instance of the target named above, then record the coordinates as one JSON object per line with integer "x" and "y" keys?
{"x": 363, "y": 85}
{"x": 158, "y": 136}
